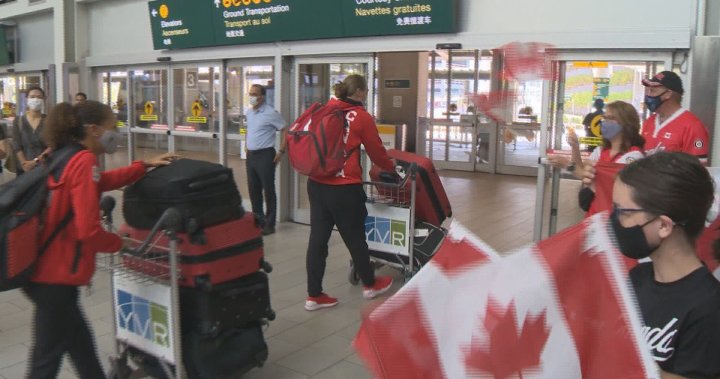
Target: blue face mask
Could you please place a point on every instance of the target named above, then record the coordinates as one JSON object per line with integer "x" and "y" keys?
{"x": 653, "y": 102}
{"x": 609, "y": 129}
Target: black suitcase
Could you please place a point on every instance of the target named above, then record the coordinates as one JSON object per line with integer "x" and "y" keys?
{"x": 228, "y": 354}
{"x": 205, "y": 194}
{"x": 226, "y": 305}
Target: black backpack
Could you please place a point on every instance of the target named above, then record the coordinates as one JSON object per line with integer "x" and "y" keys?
{"x": 22, "y": 204}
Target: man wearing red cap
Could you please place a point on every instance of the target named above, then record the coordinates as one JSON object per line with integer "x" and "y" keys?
{"x": 671, "y": 127}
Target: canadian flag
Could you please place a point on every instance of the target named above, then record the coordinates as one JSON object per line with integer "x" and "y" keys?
{"x": 495, "y": 104}
{"x": 528, "y": 60}
{"x": 605, "y": 173}
{"x": 560, "y": 309}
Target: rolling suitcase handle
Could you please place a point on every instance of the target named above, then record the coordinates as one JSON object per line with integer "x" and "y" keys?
{"x": 170, "y": 221}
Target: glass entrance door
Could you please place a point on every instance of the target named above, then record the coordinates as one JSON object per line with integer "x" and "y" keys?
{"x": 313, "y": 81}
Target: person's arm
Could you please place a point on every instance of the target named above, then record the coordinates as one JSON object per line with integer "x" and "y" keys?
{"x": 696, "y": 142}
{"x": 373, "y": 144}
{"x": 3, "y": 143}
{"x": 85, "y": 199}
{"x": 283, "y": 145}
{"x": 120, "y": 177}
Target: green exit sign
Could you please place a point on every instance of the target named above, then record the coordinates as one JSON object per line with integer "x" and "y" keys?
{"x": 178, "y": 24}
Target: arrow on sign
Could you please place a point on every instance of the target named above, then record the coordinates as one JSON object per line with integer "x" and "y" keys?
{"x": 196, "y": 109}
{"x": 154, "y": 12}
{"x": 148, "y": 108}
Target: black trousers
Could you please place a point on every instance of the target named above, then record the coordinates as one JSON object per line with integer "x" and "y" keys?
{"x": 343, "y": 206}
{"x": 261, "y": 178}
{"x": 60, "y": 327}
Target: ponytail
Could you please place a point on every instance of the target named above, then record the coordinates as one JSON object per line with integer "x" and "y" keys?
{"x": 349, "y": 86}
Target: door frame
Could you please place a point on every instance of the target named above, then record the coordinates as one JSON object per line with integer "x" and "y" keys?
{"x": 303, "y": 215}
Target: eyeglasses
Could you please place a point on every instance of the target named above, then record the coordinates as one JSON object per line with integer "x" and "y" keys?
{"x": 622, "y": 211}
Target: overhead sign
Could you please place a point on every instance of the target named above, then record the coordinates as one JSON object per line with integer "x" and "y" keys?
{"x": 178, "y": 24}
{"x": 590, "y": 64}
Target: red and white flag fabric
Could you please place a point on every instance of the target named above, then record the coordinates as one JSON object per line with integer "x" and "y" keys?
{"x": 605, "y": 173}
{"x": 495, "y": 104}
{"x": 560, "y": 309}
{"x": 525, "y": 61}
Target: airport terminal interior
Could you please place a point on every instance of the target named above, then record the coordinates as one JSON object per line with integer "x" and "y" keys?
{"x": 461, "y": 84}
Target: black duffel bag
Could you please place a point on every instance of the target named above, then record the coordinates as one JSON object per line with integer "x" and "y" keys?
{"x": 205, "y": 194}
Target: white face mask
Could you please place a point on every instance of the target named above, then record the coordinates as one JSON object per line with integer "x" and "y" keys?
{"x": 34, "y": 104}
{"x": 253, "y": 100}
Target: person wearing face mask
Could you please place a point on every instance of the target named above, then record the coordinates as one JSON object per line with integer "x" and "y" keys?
{"x": 26, "y": 131}
{"x": 60, "y": 327}
{"x": 622, "y": 143}
{"x": 659, "y": 208}
{"x": 340, "y": 200}
{"x": 671, "y": 127}
{"x": 262, "y": 123}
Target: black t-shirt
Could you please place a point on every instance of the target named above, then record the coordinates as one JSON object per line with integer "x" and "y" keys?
{"x": 682, "y": 321}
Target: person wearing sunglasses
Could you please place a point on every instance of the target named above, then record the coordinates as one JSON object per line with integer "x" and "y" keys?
{"x": 659, "y": 208}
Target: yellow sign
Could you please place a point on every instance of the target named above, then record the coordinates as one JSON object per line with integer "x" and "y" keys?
{"x": 7, "y": 111}
{"x": 595, "y": 125}
{"x": 591, "y": 141}
{"x": 196, "y": 109}
{"x": 120, "y": 124}
{"x": 149, "y": 108}
{"x": 164, "y": 11}
{"x": 148, "y": 117}
{"x": 590, "y": 64}
{"x": 200, "y": 120}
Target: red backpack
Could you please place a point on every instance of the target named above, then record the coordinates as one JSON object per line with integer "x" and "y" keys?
{"x": 316, "y": 141}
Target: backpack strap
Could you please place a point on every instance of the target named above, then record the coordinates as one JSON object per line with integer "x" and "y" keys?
{"x": 65, "y": 221}
{"x": 61, "y": 158}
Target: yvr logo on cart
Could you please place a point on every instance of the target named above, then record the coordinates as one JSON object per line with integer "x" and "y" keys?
{"x": 384, "y": 230}
{"x": 143, "y": 317}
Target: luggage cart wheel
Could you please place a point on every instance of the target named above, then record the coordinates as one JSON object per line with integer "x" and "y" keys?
{"x": 353, "y": 276}
{"x": 119, "y": 368}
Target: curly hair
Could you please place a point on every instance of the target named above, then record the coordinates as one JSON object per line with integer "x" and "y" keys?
{"x": 65, "y": 122}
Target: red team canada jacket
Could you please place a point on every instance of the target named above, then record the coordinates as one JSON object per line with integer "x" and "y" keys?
{"x": 362, "y": 131}
{"x": 70, "y": 258}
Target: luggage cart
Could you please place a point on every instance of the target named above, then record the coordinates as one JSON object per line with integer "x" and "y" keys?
{"x": 390, "y": 224}
{"x": 146, "y": 301}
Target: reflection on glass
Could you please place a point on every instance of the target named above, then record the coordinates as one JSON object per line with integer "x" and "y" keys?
{"x": 113, "y": 92}
{"x": 8, "y": 96}
{"x": 195, "y": 94}
{"x": 239, "y": 81}
{"x": 150, "y": 94}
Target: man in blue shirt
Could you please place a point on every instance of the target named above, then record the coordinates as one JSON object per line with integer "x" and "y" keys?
{"x": 262, "y": 123}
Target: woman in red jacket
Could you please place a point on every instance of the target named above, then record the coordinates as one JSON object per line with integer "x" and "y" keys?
{"x": 340, "y": 200}
{"x": 69, "y": 260}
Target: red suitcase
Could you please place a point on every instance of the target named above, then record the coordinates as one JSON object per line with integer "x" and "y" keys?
{"x": 220, "y": 253}
{"x": 431, "y": 201}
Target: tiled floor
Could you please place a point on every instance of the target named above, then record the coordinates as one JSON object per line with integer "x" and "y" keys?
{"x": 303, "y": 344}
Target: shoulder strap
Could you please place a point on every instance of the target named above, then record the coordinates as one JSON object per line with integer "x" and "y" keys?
{"x": 63, "y": 223}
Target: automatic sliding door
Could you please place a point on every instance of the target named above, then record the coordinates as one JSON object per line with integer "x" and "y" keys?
{"x": 313, "y": 82}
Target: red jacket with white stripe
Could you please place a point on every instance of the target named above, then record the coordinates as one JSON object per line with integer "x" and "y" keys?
{"x": 70, "y": 258}
{"x": 363, "y": 131}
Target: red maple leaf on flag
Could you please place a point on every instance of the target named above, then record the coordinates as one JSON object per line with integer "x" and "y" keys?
{"x": 509, "y": 353}
{"x": 495, "y": 104}
{"x": 456, "y": 256}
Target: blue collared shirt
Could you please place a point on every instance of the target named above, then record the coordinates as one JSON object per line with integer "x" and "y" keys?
{"x": 262, "y": 123}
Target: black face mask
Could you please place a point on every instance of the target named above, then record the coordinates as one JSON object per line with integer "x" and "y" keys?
{"x": 631, "y": 240}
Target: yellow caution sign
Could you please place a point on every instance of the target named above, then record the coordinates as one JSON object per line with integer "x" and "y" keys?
{"x": 149, "y": 108}
{"x": 120, "y": 124}
{"x": 590, "y": 65}
{"x": 196, "y": 109}
{"x": 199, "y": 120}
{"x": 146, "y": 117}
{"x": 591, "y": 141}
{"x": 595, "y": 125}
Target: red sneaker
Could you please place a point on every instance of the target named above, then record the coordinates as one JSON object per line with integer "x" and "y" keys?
{"x": 382, "y": 285}
{"x": 318, "y": 302}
